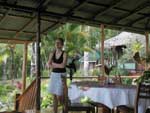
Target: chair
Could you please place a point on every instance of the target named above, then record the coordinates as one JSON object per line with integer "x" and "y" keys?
{"x": 105, "y": 109}
{"x": 68, "y": 106}
{"x": 143, "y": 92}
{"x": 148, "y": 110}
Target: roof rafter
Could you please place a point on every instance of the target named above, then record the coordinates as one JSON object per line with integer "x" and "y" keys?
{"x": 45, "y": 30}
{"x": 28, "y": 17}
{"x": 68, "y": 13}
{"x": 11, "y": 30}
{"x": 115, "y": 25}
{"x": 51, "y": 26}
{"x": 75, "y": 7}
{"x": 138, "y": 9}
{"x": 46, "y": 3}
{"x": 16, "y": 41}
{"x": 58, "y": 16}
{"x": 42, "y": 4}
{"x": 5, "y": 15}
{"x": 112, "y": 5}
{"x": 106, "y": 6}
{"x": 135, "y": 21}
{"x": 21, "y": 30}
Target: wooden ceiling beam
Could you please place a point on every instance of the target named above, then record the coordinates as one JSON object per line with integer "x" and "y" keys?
{"x": 111, "y": 6}
{"x": 43, "y": 3}
{"x": 15, "y": 41}
{"x": 12, "y": 30}
{"x": 105, "y": 6}
{"x": 46, "y": 3}
{"x": 114, "y": 25}
{"x": 68, "y": 13}
{"x": 75, "y": 7}
{"x": 135, "y": 21}
{"x": 115, "y": 8}
{"x": 84, "y": 20}
{"x": 50, "y": 27}
{"x": 27, "y": 17}
{"x": 21, "y": 30}
{"x": 4, "y": 16}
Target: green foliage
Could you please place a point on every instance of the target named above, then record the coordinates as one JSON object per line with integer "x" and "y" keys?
{"x": 127, "y": 81}
{"x": 129, "y": 52}
{"x": 145, "y": 78}
{"x": 47, "y": 98}
{"x": 95, "y": 72}
{"x": 136, "y": 47}
{"x": 118, "y": 71}
{"x": 85, "y": 99}
{"x": 79, "y": 73}
{"x": 7, "y": 96}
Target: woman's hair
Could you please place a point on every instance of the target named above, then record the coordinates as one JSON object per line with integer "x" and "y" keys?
{"x": 61, "y": 40}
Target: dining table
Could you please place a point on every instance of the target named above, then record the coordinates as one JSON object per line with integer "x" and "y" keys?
{"x": 111, "y": 95}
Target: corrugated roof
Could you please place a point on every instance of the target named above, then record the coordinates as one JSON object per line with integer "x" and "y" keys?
{"x": 18, "y": 17}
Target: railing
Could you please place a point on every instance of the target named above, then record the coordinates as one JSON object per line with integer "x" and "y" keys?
{"x": 27, "y": 100}
{"x": 94, "y": 77}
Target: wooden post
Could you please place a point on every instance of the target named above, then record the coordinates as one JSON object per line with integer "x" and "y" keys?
{"x": 147, "y": 48}
{"x": 24, "y": 67}
{"x": 147, "y": 43}
{"x": 38, "y": 73}
{"x": 102, "y": 48}
{"x": 17, "y": 102}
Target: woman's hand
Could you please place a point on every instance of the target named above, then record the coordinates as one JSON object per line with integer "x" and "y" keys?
{"x": 47, "y": 66}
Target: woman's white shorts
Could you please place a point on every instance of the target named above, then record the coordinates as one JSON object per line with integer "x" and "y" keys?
{"x": 55, "y": 84}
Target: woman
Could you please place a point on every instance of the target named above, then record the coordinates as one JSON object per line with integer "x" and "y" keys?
{"x": 57, "y": 62}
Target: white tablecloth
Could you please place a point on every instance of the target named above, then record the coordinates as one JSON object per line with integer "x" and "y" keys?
{"x": 111, "y": 97}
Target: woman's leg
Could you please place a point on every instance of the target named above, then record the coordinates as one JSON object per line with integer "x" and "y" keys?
{"x": 55, "y": 104}
{"x": 60, "y": 99}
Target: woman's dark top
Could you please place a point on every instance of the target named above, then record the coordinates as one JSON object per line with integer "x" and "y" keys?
{"x": 58, "y": 61}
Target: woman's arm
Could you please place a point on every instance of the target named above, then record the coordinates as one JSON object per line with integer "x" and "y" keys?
{"x": 63, "y": 64}
{"x": 49, "y": 63}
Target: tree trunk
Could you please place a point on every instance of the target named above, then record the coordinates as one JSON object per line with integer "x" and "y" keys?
{"x": 12, "y": 64}
{"x": 4, "y": 77}
{"x": 33, "y": 59}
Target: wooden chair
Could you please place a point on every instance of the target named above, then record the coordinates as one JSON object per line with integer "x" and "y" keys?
{"x": 105, "y": 109}
{"x": 143, "y": 92}
{"x": 68, "y": 106}
{"x": 148, "y": 110}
